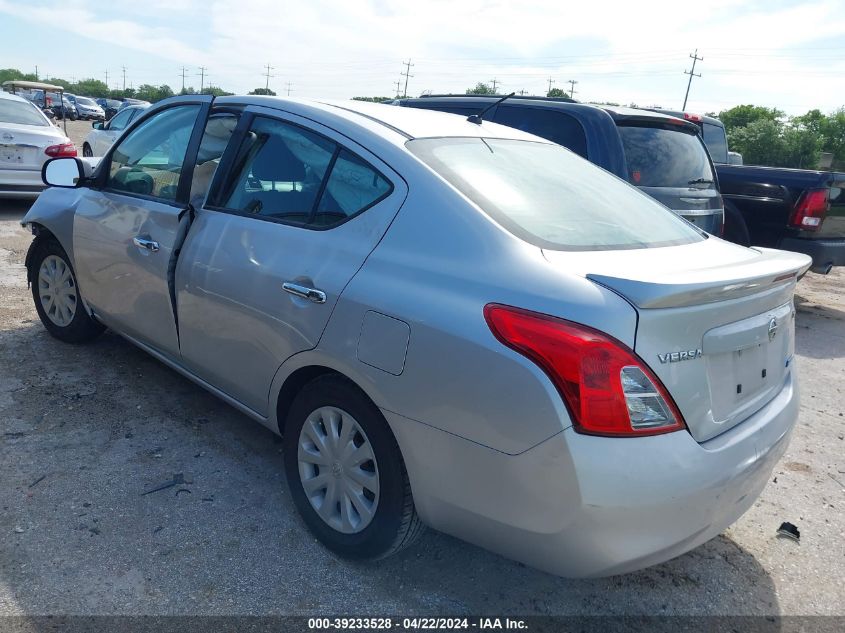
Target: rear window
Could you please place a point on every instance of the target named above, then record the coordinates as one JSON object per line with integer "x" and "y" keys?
{"x": 549, "y": 197}
{"x": 658, "y": 157}
{"x": 717, "y": 144}
{"x": 553, "y": 125}
{"x": 21, "y": 113}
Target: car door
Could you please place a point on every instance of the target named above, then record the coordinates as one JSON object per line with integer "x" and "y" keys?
{"x": 110, "y": 132}
{"x": 127, "y": 228}
{"x": 294, "y": 210}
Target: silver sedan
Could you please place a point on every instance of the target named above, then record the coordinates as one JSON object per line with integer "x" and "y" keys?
{"x": 451, "y": 323}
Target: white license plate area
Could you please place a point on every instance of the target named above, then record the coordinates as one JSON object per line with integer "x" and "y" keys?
{"x": 15, "y": 155}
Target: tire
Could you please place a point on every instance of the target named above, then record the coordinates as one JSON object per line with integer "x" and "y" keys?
{"x": 393, "y": 523}
{"x": 64, "y": 316}
{"x": 736, "y": 230}
{"x": 86, "y": 150}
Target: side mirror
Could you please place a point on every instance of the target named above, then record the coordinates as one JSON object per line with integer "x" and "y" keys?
{"x": 97, "y": 125}
{"x": 65, "y": 172}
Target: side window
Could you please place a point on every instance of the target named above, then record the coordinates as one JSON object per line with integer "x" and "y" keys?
{"x": 149, "y": 160}
{"x": 553, "y": 125}
{"x": 120, "y": 120}
{"x": 292, "y": 174}
{"x": 215, "y": 138}
{"x": 352, "y": 187}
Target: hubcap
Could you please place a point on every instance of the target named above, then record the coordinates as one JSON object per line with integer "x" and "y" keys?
{"x": 57, "y": 290}
{"x": 338, "y": 470}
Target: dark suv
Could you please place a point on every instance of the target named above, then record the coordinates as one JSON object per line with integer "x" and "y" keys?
{"x": 662, "y": 155}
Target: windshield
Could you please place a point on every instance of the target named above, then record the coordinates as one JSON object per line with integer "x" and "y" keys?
{"x": 550, "y": 197}
{"x": 21, "y": 113}
{"x": 658, "y": 157}
{"x": 85, "y": 101}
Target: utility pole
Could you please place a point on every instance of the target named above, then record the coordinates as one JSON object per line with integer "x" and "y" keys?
{"x": 406, "y": 74}
{"x": 202, "y": 73}
{"x": 571, "y": 83}
{"x": 183, "y": 78}
{"x": 107, "y": 79}
{"x": 691, "y": 73}
{"x": 398, "y": 83}
{"x": 494, "y": 81}
{"x": 36, "y": 72}
{"x": 522, "y": 92}
{"x": 268, "y": 75}
{"x": 288, "y": 86}
{"x": 551, "y": 81}
{"x": 124, "y": 77}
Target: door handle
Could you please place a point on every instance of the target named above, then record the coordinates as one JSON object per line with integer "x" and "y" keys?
{"x": 143, "y": 242}
{"x": 298, "y": 290}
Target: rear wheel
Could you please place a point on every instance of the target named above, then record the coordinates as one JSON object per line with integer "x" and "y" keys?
{"x": 736, "y": 230}
{"x": 345, "y": 472}
{"x": 56, "y": 294}
{"x": 86, "y": 150}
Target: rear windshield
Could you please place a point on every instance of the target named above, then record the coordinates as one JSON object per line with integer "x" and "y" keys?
{"x": 21, "y": 113}
{"x": 658, "y": 157}
{"x": 549, "y": 197}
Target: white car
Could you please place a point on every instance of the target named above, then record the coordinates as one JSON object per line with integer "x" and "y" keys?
{"x": 104, "y": 134}
{"x": 27, "y": 140}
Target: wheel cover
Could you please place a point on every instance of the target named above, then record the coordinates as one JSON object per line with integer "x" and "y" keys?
{"x": 338, "y": 470}
{"x": 57, "y": 290}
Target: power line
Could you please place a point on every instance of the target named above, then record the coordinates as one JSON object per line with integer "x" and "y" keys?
{"x": 268, "y": 75}
{"x": 572, "y": 83}
{"x": 691, "y": 73}
{"x": 202, "y": 74}
{"x": 406, "y": 74}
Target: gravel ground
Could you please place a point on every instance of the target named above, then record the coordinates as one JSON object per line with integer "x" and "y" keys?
{"x": 84, "y": 430}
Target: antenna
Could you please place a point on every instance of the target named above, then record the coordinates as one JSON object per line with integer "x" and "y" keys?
{"x": 477, "y": 118}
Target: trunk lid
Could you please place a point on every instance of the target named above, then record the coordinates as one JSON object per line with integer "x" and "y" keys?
{"x": 715, "y": 321}
{"x": 22, "y": 146}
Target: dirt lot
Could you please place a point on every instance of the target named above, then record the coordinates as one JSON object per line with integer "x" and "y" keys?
{"x": 84, "y": 430}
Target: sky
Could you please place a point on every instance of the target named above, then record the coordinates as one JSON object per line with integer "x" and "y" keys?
{"x": 789, "y": 55}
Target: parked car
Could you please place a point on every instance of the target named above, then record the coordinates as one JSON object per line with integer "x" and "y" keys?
{"x": 454, "y": 324}
{"x": 62, "y": 106}
{"x": 100, "y": 139}
{"x": 799, "y": 210}
{"x": 132, "y": 102}
{"x": 27, "y": 140}
{"x": 659, "y": 154}
{"x": 109, "y": 106}
{"x": 86, "y": 108}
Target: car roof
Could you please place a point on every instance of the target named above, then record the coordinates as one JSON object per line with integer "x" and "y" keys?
{"x": 392, "y": 122}
{"x": 11, "y": 97}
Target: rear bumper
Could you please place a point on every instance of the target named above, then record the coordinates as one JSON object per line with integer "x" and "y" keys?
{"x": 825, "y": 253}
{"x": 582, "y": 506}
{"x": 20, "y": 183}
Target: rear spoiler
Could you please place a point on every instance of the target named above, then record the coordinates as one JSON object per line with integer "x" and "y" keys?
{"x": 673, "y": 290}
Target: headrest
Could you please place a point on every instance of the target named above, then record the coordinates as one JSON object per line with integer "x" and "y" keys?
{"x": 276, "y": 162}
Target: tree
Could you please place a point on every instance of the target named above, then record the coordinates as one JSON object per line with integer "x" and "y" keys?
{"x": 744, "y": 115}
{"x": 373, "y": 99}
{"x": 801, "y": 147}
{"x": 152, "y": 93}
{"x": 91, "y": 88}
{"x": 760, "y": 142}
{"x": 13, "y": 74}
{"x": 216, "y": 91}
{"x": 481, "y": 89}
{"x": 556, "y": 92}
{"x": 263, "y": 91}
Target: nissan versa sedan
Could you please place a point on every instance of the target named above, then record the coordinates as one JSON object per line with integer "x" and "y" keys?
{"x": 451, "y": 323}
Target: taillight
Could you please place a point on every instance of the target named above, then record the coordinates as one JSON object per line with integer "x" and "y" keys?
{"x": 607, "y": 388}
{"x": 809, "y": 213}
{"x": 64, "y": 149}
{"x": 695, "y": 118}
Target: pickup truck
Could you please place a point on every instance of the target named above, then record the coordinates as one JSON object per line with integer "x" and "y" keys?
{"x": 792, "y": 209}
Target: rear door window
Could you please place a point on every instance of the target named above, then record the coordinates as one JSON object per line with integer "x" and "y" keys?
{"x": 550, "y": 124}
{"x": 660, "y": 157}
